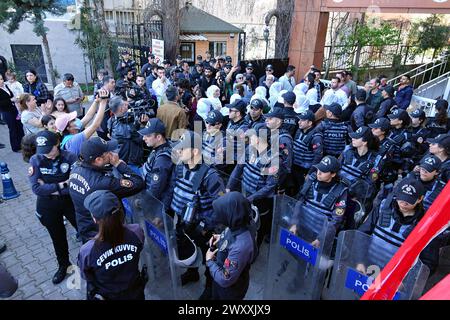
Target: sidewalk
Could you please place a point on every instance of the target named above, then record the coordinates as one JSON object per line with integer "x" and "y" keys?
{"x": 30, "y": 256}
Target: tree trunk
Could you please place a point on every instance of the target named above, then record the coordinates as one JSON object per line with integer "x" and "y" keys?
{"x": 171, "y": 28}
{"x": 283, "y": 29}
{"x": 100, "y": 12}
{"x": 49, "y": 59}
{"x": 358, "y": 50}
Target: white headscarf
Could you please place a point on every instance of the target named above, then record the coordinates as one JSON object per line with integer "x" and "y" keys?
{"x": 301, "y": 88}
{"x": 234, "y": 98}
{"x": 204, "y": 106}
{"x": 301, "y": 103}
{"x": 215, "y": 101}
{"x": 280, "y": 97}
{"x": 260, "y": 93}
{"x": 274, "y": 93}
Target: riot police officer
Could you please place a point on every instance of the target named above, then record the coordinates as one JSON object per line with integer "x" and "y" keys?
{"x": 255, "y": 114}
{"x": 290, "y": 116}
{"x": 440, "y": 147}
{"x": 400, "y": 122}
{"x": 334, "y": 131}
{"x": 418, "y": 134}
{"x": 213, "y": 143}
{"x": 261, "y": 175}
{"x": 229, "y": 262}
{"x": 235, "y": 134}
{"x": 323, "y": 194}
{"x": 396, "y": 216}
{"x": 93, "y": 172}
{"x": 194, "y": 187}
{"x": 48, "y": 174}
{"x": 358, "y": 170}
{"x": 274, "y": 121}
{"x": 110, "y": 261}
{"x": 426, "y": 173}
{"x": 157, "y": 171}
{"x": 308, "y": 148}
{"x": 123, "y": 127}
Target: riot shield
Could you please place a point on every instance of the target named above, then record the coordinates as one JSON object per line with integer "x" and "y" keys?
{"x": 159, "y": 250}
{"x": 358, "y": 261}
{"x": 298, "y": 262}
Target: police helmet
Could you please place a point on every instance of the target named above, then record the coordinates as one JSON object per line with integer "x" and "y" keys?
{"x": 189, "y": 255}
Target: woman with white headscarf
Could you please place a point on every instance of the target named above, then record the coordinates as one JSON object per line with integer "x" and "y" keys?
{"x": 204, "y": 106}
{"x": 274, "y": 93}
{"x": 260, "y": 93}
{"x": 301, "y": 103}
{"x": 213, "y": 94}
{"x": 311, "y": 94}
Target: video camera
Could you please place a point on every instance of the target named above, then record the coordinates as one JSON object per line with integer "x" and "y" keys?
{"x": 137, "y": 109}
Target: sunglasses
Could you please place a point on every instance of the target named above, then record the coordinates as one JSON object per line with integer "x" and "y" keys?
{"x": 269, "y": 70}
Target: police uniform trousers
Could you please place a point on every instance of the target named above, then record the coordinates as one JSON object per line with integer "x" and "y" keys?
{"x": 50, "y": 210}
{"x": 265, "y": 208}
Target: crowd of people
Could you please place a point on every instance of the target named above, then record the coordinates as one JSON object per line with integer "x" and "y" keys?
{"x": 214, "y": 144}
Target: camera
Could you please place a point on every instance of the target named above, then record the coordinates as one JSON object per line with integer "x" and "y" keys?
{"x": 100, "y": 94}
{"x": 137, "y": 109}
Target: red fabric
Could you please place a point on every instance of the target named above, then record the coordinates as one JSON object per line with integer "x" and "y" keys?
{"x": 435, "y": 221}
{"x": 441, "y": 291}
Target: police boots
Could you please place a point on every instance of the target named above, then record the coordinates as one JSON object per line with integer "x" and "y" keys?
{"x": 60, "y": 275}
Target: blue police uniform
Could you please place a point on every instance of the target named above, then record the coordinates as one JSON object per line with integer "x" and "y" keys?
{"x": 290, "y": 121}
{"x": 386, "y": 107}
{"x": 320, "y": 198}
{"x": 231, "y": 269}
{"x": 157, "y": 172}
{"x": 439, "y": 184}
{"x": 213, "y": 149}
{"x": 182, "y": 190}
{"x": 308, "y": 151}
{"x": 112, "y": 269}
{"x": 87, "y": 178}
{"x": 114, "y": 272}
{"x": 53, "y": 202}
{"x": 235, "y": 135}
{"x": 355, "y": 167}
{"x": 335, "y": 136}
{"x": 250, "y": 123}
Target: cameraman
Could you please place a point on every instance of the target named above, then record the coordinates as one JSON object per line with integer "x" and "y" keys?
{"x": 124, "y": 126}
{"x": 125, "y": 84}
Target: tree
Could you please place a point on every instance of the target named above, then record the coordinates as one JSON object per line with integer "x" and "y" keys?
{"x": 13, "y": 12}
{"x": 429, "y": 33}
{"x": 99, "y": 14}
{"x": 93, "y": 40}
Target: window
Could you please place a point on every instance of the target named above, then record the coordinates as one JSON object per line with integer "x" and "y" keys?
{"x": 29, "y": 57}
{"x": 187, "y": 51}
{"x": 218, "y": 48}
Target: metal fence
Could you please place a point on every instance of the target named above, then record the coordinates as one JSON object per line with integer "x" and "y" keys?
{"x": 370, "y": 57}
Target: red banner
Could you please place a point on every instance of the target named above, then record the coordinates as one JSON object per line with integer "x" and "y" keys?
{"x": 441, "y": 291}
{"x": 436, "y": 220}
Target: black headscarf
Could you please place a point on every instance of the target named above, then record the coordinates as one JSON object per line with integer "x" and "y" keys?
{"x": 232, "y": 210}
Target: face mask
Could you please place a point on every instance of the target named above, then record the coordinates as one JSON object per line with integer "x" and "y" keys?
{"x": 78, "y": 124}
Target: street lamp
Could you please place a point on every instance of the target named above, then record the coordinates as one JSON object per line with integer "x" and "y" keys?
{"x": 266, "y": 37}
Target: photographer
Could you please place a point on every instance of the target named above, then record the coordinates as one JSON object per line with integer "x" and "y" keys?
{"x": 140, "y": 96}
{"x": 125, "y": 84}
{"x": 124, "y": 126}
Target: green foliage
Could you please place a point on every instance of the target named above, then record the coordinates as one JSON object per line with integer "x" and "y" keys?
{"x": 92, "y": 40}
{"x": 430, "y": 33}
{"x": 13, "y": 12}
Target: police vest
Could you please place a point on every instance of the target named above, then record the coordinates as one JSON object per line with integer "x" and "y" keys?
{"x": 303, "y": 151}
{"x": 210, "y": 145}
{"x": 254, "y": 169}
{"x": 184, "y": 192}
{"x": 326, "y": 203}
{"x": 354, "y": 168}
{"x": 235, "y": 134}
{"x": 165, "y": 151}
{"x": 334, "y": 137}
{"x": 388, "y": 229}
{"x": 116, "y": 269}
{"x": 438, "y": 186}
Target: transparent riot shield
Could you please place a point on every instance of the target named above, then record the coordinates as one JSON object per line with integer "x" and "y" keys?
{"x": 358, "y": 261}
{"x": 159, "y": 250}
{"x": 297, "y": 262}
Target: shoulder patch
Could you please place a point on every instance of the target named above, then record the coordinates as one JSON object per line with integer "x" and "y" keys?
{"x": 126, "y": 183}
{"x": 339, "y": 211}
{"x": 30, "y": 171}
{"x": 155, "y": 177}
{"x": 340, "y": 203}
